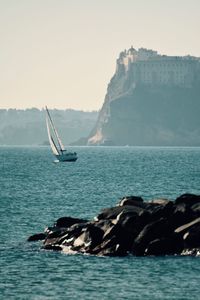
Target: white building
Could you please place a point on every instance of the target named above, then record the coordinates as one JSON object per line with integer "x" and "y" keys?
{"x": 149, "y": 68}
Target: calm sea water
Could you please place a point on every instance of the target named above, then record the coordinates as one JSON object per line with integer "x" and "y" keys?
{"x": 35, "y": 191}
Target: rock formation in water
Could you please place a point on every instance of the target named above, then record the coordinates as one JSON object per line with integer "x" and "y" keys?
{"x": 157, "y": 227}
{"x": 152, "y": 99}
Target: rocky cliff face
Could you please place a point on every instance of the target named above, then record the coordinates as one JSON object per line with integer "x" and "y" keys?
{"x": 151, "y": 100}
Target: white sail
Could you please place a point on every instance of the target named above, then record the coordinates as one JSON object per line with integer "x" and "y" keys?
{"x": 61, "y": 146}
{"x": 59, "y": 140}
{"x": 56, "y": 144}
{"x": 51, "y": 141}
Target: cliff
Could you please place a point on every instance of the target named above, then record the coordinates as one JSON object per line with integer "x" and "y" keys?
{"x": 151, "y": 100}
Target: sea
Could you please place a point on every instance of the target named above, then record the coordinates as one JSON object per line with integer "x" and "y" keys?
{"x": 35, "y": 191}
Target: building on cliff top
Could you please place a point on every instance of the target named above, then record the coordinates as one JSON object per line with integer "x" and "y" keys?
{"x": 148, "y": 67}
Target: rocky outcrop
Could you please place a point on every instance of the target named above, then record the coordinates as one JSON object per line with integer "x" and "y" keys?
{"x": 152, "y": 100}
{"x": 133, "y": 226}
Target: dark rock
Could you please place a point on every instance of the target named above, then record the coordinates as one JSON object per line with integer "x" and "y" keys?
{"x": 110, "y": 247}
{"x": 131, "y": 200}
{"x": 196, "y": 209}
{"x": 180, "y": 215}
{"x": 115, "y": 250}
{"x": 72, "y": 233}
{"x": 158, "y": 211}
{"x": 192, "y": 237}
{"x": 55, "y": 234}
{"x": 186, "y": 227}
{"x": 52, "y": 247}
{"x": 160, "y": 201}
{"x": 134, "y": 223}
{"x": 113, "y": 236}
{"x": 89, "y": 238}
{"x": 128, "y": 226}
{"x": 50, "y": 241}
{"x": 113, "y": 212}
{"x": 37, "y": 237}
{"x": 165, "y": 246}
{"x": 68, "y": 221}
{"x": 157, "y": 227}
{"x": 191, "y": 252}
{"x": 103, "y": 224}
{"x": 188, "y": 199}
{"x": 107, "y": 243}
{"x": 150, "y": 232}
{"x": 50, "y": 229}
{"x": 113, "y": 230}
{"x": 64, "y": 235}
{"x": 123, "y": 237}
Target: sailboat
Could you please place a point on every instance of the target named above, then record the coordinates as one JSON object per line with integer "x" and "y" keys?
{"x": 56, "y": 144}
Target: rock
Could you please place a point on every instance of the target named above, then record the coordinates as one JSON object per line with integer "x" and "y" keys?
{"x": 180, "y": 215}
{"x": 56, "y": 232}
{"x": 68, "y": 221}
{"x": 50, "y": 241}
{"x": 117, "y": 235}
{"x": 72, "y": 233}
{"x": 150, "y": 232}
{"x": 52, "y": 247}
{"x": 158, "y": 211}
{"x": 196, "y": 209}
{"x": 113, "y": 212}
{"x": 161, "y": 201}
{"x": 64, "y": 235}
{"x": 157, "y": 227}
{"x": 115, "y": 250}
{"x": 190, "y": 233}
{"x": 110, "y": 247}
{"x": 107, "y": 243}
{"x": 184, "y": 228}
{"x": 103, "y": 224}
{"x": 131, "y": 200}
{"x": 188, "y": 199}
{"x": 191, "y": 252}
{"x": 89, "y": 238}
{"x": 37, "y": 237}
{"x": 192, "y": 237}
{"x": 122, "y": 236}
{"x": 165, "y": 246}
{"x": 133, "y": 223}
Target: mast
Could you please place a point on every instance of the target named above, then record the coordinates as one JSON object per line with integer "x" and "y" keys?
{"x": 51, "y": 141}
{"x": 61, "y": 146}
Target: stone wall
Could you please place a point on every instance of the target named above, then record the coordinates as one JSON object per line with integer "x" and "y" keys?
{"x": 149, "y": 68}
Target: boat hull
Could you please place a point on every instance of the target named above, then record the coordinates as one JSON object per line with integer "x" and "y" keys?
{"x": 67, "y": 157}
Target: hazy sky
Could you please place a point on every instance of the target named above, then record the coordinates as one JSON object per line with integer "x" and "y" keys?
{"x": 62, "y": 53}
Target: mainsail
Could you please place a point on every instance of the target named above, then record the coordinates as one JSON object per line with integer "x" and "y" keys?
{"x": 51, "y": 141}
{"x": 56, "y": 150}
